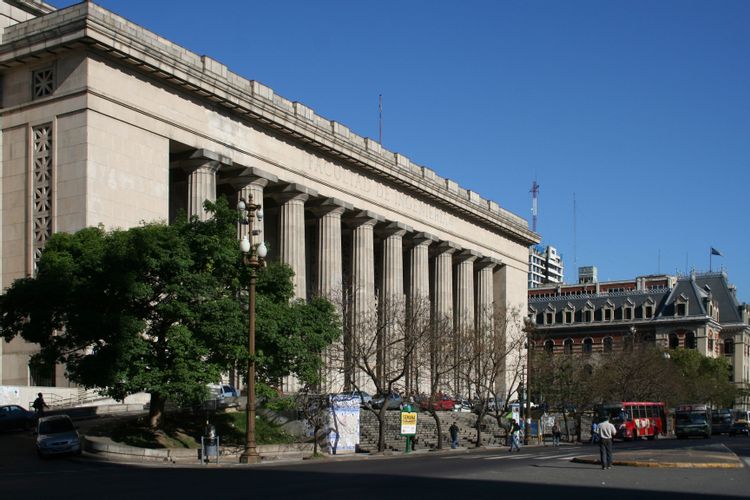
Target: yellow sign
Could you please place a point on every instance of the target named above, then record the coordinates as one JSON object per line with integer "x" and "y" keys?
{"x": 408, "y": 423}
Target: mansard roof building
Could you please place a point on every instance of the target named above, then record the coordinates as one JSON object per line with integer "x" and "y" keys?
{"x": 699, "y": 311}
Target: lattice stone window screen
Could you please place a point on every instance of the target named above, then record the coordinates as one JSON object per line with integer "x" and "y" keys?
{"x": 43, "y": 82}
{"x": 42, "y": 188}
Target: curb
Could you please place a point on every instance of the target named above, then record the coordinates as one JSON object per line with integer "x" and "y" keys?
{"x": 735, "y": 464}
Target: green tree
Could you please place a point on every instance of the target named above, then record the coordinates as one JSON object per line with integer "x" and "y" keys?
{"x": 155, "y": 308}
{"x": 703, "y": 379}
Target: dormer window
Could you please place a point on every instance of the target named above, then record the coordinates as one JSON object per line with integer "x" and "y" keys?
{"x": 648, "y": 311}
{"x": 549, "y": 318}
{"x": 568, "y": 317}
{"x": 681, "y": 306}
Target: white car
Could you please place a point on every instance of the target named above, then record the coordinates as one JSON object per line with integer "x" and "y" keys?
{"x": 56, "y": 435}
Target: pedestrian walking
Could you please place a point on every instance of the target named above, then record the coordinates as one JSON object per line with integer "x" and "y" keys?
{"x": 39, "y": 405}
{"x": 556, "y": 434}
{"x": 453, "y": 429}
{"x": 515, "y": 436}
{"x": 606, "y": 432}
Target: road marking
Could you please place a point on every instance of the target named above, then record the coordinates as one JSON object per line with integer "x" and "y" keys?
{"x": 556, "y": 457}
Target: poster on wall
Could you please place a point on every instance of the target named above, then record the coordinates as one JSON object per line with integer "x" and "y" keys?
{"x": 343, "y": 424}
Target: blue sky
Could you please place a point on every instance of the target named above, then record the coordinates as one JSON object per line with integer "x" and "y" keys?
{"x": 639, "y": 109}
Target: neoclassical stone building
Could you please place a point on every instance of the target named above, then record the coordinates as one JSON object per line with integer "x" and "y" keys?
{"x": 104, "y": 122}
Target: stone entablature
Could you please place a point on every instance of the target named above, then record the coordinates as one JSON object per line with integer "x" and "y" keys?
{"x": 106, "y": 32}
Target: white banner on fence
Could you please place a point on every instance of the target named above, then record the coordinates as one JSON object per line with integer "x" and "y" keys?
{"x": 343, "y": 424}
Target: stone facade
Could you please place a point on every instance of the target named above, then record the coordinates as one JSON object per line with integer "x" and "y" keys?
{"x": 138, "y": 128}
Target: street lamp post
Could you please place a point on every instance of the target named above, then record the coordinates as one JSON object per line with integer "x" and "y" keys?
{"x": 253, "y": 258}
{"x": 529, "y": 329}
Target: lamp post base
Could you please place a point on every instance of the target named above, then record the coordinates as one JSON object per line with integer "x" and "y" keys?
{"x": 250, "y": 457}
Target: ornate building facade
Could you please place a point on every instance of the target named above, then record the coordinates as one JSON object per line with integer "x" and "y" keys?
{"x": 104, "y": 122}
{"x": 699, "y": 311}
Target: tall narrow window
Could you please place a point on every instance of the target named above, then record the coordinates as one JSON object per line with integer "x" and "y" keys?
{"x": 568, "y": 346}
{"x": 608, "y": 344}
{"x": 42, "y": 188}
{"x": 588, "y": 345}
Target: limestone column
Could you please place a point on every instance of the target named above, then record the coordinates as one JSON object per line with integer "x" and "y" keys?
{"x": 485, "y": 313}
{"x": 330, "y": 280}
{"x": 201, "y": 166}
{"x": 361, "y": 346}
{"x": 485, "y": 294}
{"x": 442, "y": 316}
{"x": 292, "y": 198}
{"x": 418, "y": 301}
{"x": 250, "y": 184}
{"x": 391, "y": 348}
{"x": 464, "y": 321}
{"x": 329, "y": 266}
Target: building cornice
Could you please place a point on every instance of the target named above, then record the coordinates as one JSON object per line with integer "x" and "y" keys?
{"x": 89, "y": 25}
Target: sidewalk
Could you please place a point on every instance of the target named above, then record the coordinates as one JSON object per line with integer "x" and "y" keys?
{"x": 707, "y": 456}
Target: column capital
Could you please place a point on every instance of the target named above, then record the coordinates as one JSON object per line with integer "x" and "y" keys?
{"x": 190, "y": 161}
{"x": 467, "y": 255}
{"x": 491, "y": 262}
{"x": 325, "y": 206}
{"x": 247, "y": 176}
{"x": 446, "y": 247}
{"x": 417, "y": 239}
{"x": 293, "y": 191}
{"x": 393, "y": 229}
{"x": 364, "y": 218}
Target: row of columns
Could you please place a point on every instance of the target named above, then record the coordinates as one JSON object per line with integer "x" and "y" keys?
{"x": 253, "y": 184}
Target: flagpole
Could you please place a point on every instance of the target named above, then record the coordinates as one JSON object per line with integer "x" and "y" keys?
{"x": 710, "y": 259}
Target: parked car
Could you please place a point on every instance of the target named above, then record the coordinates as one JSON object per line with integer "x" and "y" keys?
{"x": 721, "y": 421}
{"x": 440, "y": 403}
{"x": 462, "y": 405}
{"x": 221, "y": 396}
{"x": 364, "y": 398}
{"x": 15, "y": 417}
{"x": 739, "y": 427}
{"x": 392, "y": 402}
{"x": 56, "y": 435}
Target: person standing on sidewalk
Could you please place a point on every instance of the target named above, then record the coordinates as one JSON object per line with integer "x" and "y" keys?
{"x": 453, "y": 429}
{"x": 556, "y": 433}
{"x": 607, "y": 431}
{"x": 515, "y": 436}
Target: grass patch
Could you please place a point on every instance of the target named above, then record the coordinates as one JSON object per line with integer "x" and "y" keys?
{"x": 184, "y": 430}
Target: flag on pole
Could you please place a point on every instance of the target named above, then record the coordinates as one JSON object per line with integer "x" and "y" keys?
{"x": 716, "y": 252}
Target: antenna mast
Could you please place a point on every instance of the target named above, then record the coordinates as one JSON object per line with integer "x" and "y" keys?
{"x": 575, "y": 237}
{"x": 534, "y": 206}
{"x": 380, "y": 119}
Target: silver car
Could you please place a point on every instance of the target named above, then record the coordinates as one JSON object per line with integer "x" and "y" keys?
{"x": 56, "y": 435}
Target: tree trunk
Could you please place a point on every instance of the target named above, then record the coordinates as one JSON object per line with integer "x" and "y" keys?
{"x": 438, "y": 428}
{"x": 565, "y": 420}
{"x": 315, "y": 440}
{"x": 381, "y": 429}
{"x": 480, "y": 417}
{"x": 156, "y": 411}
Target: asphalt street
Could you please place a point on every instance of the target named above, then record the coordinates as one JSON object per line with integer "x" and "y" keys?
{"x": 535, "y": 472}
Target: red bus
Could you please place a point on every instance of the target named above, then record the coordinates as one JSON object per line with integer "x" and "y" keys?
{"x": 635, "y": 420}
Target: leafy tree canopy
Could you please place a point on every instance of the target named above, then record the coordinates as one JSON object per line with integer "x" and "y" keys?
{"x": 155, "y": 308}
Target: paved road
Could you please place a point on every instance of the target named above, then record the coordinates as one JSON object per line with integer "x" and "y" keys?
{"x": 533, "y": 473}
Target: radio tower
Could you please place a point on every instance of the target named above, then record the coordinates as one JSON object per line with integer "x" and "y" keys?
{"x": 534, "y": 208}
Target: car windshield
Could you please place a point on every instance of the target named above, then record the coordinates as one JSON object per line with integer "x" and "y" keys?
{"x": 691, "y": 418}
{"x": 56, "y": 426}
